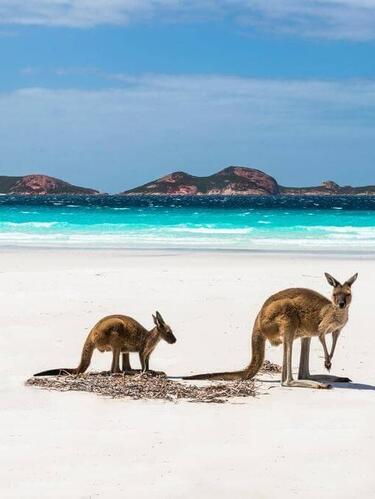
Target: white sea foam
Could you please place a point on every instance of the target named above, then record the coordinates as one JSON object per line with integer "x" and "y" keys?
{"x": 163, "y": 240}
{"x": 335, "y": 231}
{"x": 211, "y": 230}
{"x": 35, "y": 225}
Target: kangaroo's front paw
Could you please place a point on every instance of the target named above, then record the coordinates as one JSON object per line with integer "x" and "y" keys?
{"x": 328, "y": 365}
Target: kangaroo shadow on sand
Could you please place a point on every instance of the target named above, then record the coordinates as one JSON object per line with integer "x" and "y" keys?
{"x": 354, "y": 386}
{"x": 345, "y": 386}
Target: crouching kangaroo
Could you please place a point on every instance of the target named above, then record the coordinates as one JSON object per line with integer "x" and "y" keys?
{"x": 120, "y": 334}
{"x": 296, "y": 313}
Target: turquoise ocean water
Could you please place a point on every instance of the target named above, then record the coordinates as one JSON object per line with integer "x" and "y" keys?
{"x": 246, "y": 223}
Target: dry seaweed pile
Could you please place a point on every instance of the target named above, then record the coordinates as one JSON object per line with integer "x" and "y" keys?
{"x": 143, "y": 386}
{"x": 146, "y": 386}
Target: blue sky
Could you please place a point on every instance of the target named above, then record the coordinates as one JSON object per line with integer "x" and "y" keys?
{"x": 114, "y": 93}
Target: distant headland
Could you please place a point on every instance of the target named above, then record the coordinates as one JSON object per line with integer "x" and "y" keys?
{"x": 39, "y": 185}
{"x": 232, "y": 181}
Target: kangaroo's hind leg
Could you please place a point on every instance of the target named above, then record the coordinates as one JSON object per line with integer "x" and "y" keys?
{"x": 126, "y": 362}
{"x": 304, "y": 362}
{"x": 304, "y": 369}
{"x": 115, "y": 368}
{"x": 287, "y": 376}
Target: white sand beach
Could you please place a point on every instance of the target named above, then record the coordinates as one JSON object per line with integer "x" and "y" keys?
{"x": 284, "y": 443}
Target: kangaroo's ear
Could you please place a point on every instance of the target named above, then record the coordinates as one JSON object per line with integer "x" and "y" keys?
{"x": 352, "y": 280}
{"x": 155, "y": 320}
{"x": 332, "y": 281}
{"x": 160, "y": 318}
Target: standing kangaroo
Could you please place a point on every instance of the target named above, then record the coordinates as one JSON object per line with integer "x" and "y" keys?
{"x": 296, "y": 313}
{"x": 121, "y": 334}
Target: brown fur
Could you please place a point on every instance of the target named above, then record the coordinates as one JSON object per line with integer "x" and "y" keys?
{"x": 120, "y": 334}
{"x": 291, "y": 314}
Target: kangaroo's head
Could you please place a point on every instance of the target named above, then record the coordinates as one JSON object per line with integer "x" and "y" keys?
{"x": 163, "y": 329}
{"x": 342, "y": 293}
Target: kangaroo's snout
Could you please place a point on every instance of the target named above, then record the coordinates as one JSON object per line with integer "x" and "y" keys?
{"x": 172, "y": 340}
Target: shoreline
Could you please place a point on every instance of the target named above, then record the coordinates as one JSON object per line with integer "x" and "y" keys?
{"x": 319, "y": 253}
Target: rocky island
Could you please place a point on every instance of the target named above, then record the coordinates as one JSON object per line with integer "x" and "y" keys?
{"x": 328, "y": 188}
{"x": 39, "y": 184}
{"x": 239, "y": 180}
{"x": 230, "y": 181}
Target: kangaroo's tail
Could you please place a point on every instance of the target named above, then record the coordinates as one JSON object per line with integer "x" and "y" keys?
{"x": 87, "y": 351}
{"x": 57, "y": 372}
{"x": 258, "y": 343}
{"x": 224, "y": 376}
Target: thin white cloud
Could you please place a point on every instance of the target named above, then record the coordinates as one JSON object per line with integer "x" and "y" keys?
{"x": 81, "y": 13}
{"x": 337, "y": 19}
{"x": 160, "y": 123}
